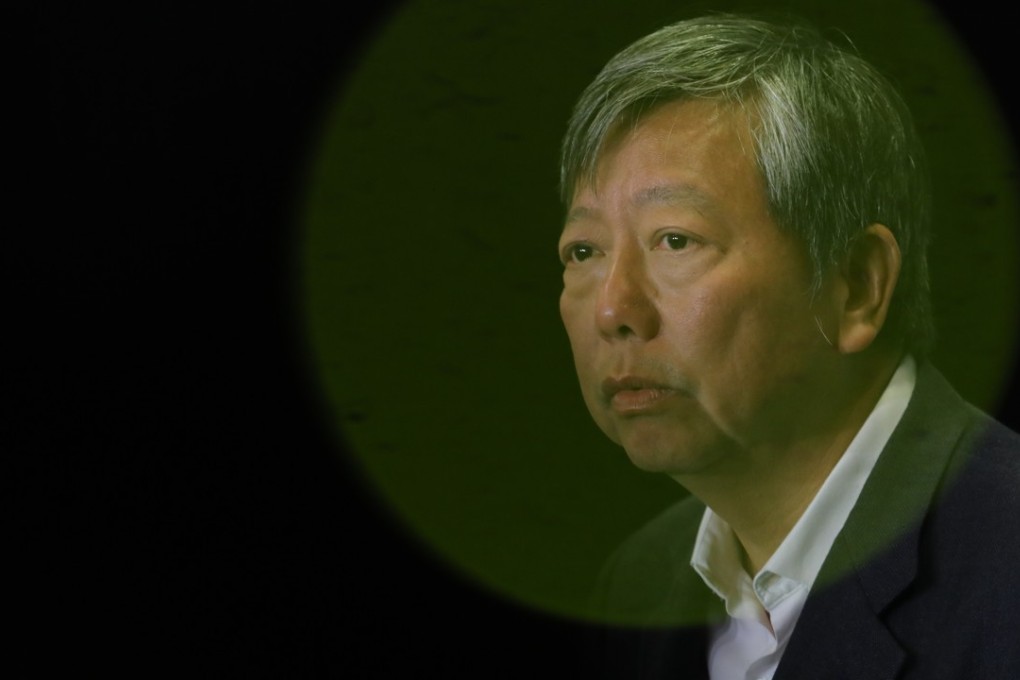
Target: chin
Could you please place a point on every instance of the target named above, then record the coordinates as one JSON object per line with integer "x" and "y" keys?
{"x": 648, "y": 463}
{"x": 656, "y": 460}
{"x": 682, "y": 456}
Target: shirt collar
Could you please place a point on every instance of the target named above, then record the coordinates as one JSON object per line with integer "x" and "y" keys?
{"x": 799, "y": 558}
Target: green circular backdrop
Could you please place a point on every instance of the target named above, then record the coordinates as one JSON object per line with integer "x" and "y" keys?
{"x": 431, "y": 279}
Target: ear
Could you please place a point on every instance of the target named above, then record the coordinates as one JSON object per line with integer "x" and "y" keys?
{"x": 868, "y": 278}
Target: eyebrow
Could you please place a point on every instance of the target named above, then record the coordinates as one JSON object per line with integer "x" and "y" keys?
{"x": 660, "y": 194}
{"x": 579, "y": 213}
{"x": 672, "y": 194}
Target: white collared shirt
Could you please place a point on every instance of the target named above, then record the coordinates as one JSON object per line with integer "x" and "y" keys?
{"x": 763, "y": 611}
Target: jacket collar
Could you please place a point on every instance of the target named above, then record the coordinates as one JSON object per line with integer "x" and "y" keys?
{"x": 875, "y": 556}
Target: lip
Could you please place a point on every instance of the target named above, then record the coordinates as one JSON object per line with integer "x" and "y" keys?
{"x": 633, "y": 395}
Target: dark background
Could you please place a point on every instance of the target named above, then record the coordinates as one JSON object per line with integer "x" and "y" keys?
{"x": 192, "y": 513}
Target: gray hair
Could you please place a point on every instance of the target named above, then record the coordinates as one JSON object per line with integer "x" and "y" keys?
{"x": 834, "y": 141}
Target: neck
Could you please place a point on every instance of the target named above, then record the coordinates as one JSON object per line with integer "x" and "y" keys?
{"x": 762, "y": 490}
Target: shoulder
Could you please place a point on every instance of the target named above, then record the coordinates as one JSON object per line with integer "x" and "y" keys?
{"x": 979, "y": 497}
{"x": 967, "y": 561}
{"x": 666, "y": 541}
{"x": 973, "y": 464}
{"x": 674, "y": 528}
{"x": 992, "y": 448}
{"x": 944, "y": 452}
{"x": 648, "y": 579}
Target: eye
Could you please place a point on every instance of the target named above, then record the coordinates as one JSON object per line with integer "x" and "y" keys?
{"x": 577, "y": 252}
{"x": 675, "y": 241}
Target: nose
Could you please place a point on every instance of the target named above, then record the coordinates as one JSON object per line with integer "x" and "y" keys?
{"x": 626, "y": 305}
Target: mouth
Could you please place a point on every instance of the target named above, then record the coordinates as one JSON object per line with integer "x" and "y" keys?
{"x": 631, "y": 395}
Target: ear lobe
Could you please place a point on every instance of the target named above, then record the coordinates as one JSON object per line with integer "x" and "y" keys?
{"x": 869, "y": 272}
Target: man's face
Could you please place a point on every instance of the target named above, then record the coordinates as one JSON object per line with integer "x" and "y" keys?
{"x": 687, "y": 308}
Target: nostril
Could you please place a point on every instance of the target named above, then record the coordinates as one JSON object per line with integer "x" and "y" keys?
{"x": 624, "y": 331}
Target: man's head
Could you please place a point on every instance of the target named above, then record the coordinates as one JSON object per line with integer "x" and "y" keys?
{"x": 833, "y": 140}
{"x": 747, "y": 208}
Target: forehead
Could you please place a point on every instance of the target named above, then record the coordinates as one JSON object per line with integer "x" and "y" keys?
{"x": 690, "y": 151}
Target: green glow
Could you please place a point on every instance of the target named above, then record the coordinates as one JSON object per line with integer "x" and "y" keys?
{"x": 431, "y": 277}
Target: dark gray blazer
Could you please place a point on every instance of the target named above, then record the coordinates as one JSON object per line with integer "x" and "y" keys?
{"x": 923, "y": 582}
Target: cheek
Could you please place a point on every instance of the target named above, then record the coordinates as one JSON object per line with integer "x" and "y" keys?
{"x": 570, "y": 316}
{"x": 567, "y": 307}
{"x": 706, "y": 320}
{"x": 737, "y": 337}
{"x": 580, "y": 333}
{"x": 577, "y": 312}
{"x": 737, "y": 312}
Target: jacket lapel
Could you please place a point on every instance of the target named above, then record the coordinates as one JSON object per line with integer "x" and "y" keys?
{"x": 841, "y": 632}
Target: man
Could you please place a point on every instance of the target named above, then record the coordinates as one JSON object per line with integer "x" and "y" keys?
{"x": 745, "y": 293}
